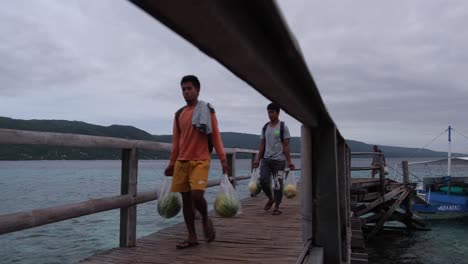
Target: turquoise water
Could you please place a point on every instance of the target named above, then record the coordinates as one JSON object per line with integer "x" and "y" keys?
{"x": 447, "y": 242}
{"x": 26, "y": 185}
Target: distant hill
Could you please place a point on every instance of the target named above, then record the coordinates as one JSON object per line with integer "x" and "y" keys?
{"x": 28, "y": 152}
{"x": 230, "y": 139}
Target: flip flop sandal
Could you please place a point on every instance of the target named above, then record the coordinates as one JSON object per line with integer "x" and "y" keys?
{"x": 210, "y": 232}
{"x": 276, "y": 212}
{"x": 269, "y": 204}
{"x": 186, "y": 244}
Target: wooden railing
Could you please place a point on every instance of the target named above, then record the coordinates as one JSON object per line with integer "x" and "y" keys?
{"x": 379, "y": 168}
{"x": 127, "y": 201}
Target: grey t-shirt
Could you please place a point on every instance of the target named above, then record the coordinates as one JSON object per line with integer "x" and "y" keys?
{"x": 273, "y": 144}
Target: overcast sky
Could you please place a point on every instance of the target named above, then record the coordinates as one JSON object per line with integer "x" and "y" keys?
{"x": 390, "y": 72}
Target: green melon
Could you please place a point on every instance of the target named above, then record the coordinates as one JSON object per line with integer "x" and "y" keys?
{"x": 255, "y": 188}
{"x": 290, "y": 190}
{"x": 170, "y": 205}
{"x": 226, "y": 206}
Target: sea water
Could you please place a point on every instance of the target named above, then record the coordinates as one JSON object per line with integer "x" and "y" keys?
{"x": 27, "y": 185}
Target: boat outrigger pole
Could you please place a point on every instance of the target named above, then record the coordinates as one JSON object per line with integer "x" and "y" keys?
{"x": 449, "y": 160}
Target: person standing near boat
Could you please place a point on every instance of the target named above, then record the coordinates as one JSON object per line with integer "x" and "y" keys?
{"x": 274, "y": 151}
{"x": 195, "y": 133}
{"x": 378, "y": 160}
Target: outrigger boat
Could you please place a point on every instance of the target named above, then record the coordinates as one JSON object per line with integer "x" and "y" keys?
{"x": 447, "y": 195}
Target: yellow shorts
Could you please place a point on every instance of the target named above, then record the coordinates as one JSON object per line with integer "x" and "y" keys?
{"x": 190, "y": 175}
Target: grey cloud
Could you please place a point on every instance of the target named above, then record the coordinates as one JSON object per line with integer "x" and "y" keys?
{"x": 390, "y": 73}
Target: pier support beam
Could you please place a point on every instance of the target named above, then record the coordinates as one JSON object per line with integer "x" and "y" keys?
{"x": 343, "y": 196}
{"x": 306, "y": 182}
{"x": 231, "y": 160}
{"x": 128, "y": 215}
{"x": 327, "y": 210}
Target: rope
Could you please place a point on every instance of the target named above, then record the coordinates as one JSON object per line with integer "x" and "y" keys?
{"x": 460, "y": 133}
{"x": 459, "y": 154}
{"x": 401, "y": 174}
{"x": 443, "y": 132}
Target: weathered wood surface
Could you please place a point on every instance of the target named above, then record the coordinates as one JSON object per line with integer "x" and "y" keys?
{"x": 382, "y": 199}
{"x": 255, "y": 236}
{"x": 382, "y": 221}
{"x": 357, "y": 183}
{"x": 12, "y": 136}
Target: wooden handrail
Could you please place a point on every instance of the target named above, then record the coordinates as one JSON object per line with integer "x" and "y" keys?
{"x": 366, "y": 153}
{"x": 129, "y": 197}
{"x": 38, "y": 217}
{"x": 365, "y": 168}
{"x": 12, "y": 136}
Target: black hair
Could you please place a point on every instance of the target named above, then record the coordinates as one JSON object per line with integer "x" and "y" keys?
{"x": 191, "y": 78}
{"x": 274, "y": 107}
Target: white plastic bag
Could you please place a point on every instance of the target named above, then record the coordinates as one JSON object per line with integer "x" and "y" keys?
{"x": 254, "y": 184}
{"x": 227, "y": 203}
{"x": 386, "y": 171}
{"x": 290, "y": 185}
{"x": 169, "y": 203}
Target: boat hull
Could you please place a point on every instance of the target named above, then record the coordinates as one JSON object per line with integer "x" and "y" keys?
{"x": 440, "y": 216}
{"x": 442, "y": 206}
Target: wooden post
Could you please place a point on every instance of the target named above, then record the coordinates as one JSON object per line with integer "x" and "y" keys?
{"x": 128, "y": 186}
{"x": 382, "y": 178}
{"x": 252, "y": 160}
{"x": 404, "y": 165}
{"x": 407, "y": 202}
{"x": 348, "y": 198}
{"x": 306, "y": 183}
{"x": 341, "y": 160}
{"x": 327, "y": 230}
{"x": 231, "y": 159}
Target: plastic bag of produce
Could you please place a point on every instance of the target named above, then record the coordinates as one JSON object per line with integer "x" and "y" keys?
{"x": 169, "y": 203}
{"x": 290, "y": 185}
{"x": 254, "y": 184}
{"x": 386, "y": 171}
{"x": 227, "y": 202}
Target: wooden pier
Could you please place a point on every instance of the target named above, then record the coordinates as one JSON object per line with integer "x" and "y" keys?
{"x": 252, "y": 40}
{"x": 377, "y": 201}
{"x": 254, "y": 236}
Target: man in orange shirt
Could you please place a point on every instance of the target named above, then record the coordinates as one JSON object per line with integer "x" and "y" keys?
{"x": 195, "y": 132}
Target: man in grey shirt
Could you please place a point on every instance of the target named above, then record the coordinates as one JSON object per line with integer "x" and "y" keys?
{"x": 275, "y": 152}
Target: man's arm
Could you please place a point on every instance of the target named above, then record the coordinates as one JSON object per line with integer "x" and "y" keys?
{"x": 175, "y": 149}
{"x": 287, "y": 153}
{"x": 218, "y": 143}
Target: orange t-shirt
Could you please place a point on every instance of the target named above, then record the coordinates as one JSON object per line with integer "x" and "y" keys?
{"x": 191, "y": 144}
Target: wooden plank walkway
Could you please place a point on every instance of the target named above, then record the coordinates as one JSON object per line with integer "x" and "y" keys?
{"x": 255, "y": 236}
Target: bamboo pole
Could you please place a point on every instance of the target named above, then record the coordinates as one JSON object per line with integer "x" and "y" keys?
{"x": 128, "y": 187}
